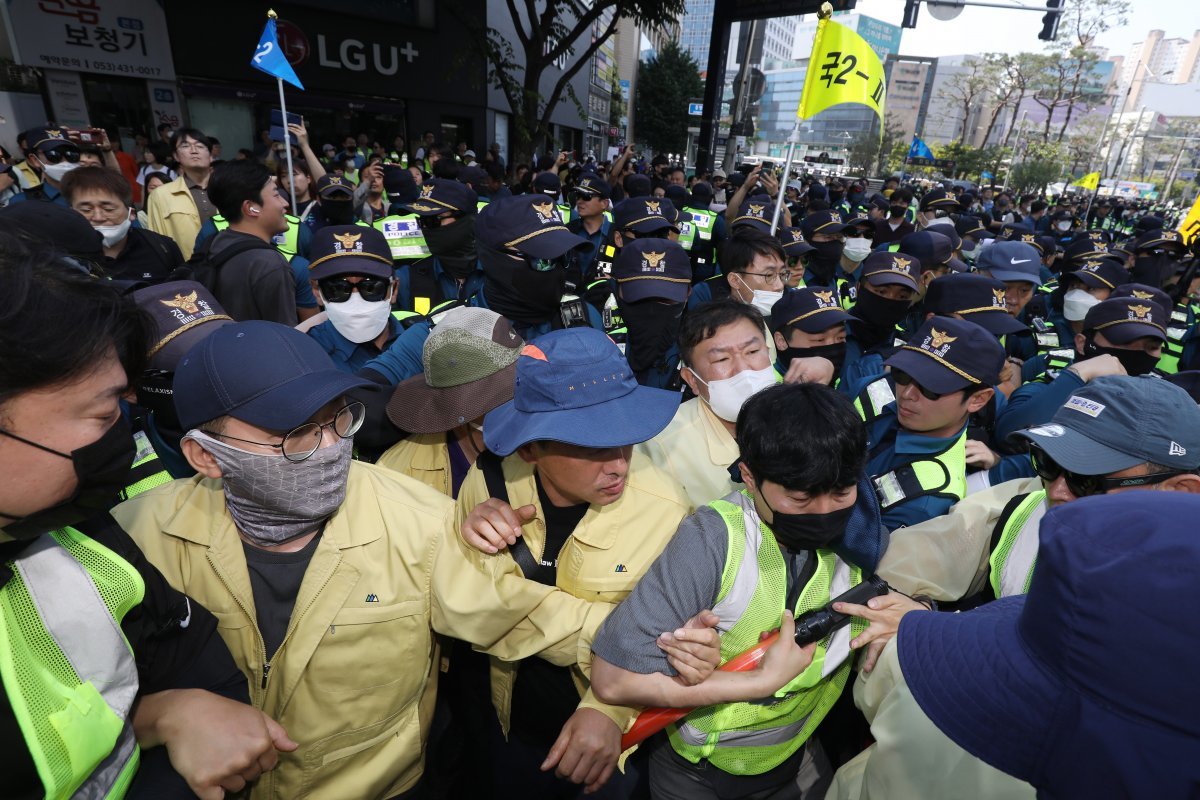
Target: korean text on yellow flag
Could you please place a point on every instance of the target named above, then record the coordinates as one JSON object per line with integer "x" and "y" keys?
{"x": 1190, "y": 227}
{"x": 842, "y": 69}
{"x": 1090, "y": 181}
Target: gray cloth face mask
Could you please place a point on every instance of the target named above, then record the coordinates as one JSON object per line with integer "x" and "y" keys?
{"x": 273, "y": 500}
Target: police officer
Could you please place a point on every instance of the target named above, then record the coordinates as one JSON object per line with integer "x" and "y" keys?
{"x": 886, "y": 292}
{"x": 592, "y": 219}
{"x": 445, "y": 217}
{"x": 824, "y": 230}
{"x": 897, "y": 224}
{"x": 51, "y": 155}
{"x": 917, "y": 438}
{"x": 809, "y": 322}
{"x": 1055, "y": 328}
{"x": 704, "y": 233}
{"x": 797, "y": 250}
{"x": 335, "y": 202}
{"x": 935, "y": 209}
{"x": 399, "y": 226}
{"x": 632, "y": 217}
{"x": 653, "y": 278}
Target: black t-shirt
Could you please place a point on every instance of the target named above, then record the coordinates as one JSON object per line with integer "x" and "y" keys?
{"x": 544, "y": 696}
{"x": 147, "y": 256}
{"x": 275, "y": 579}
{"x": 175, "y": 645}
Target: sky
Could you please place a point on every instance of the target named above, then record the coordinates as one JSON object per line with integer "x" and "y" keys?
{"x": 984, "y": 30}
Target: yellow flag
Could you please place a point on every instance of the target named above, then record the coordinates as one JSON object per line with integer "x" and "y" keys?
{"x": 1190, "y": 227}
{"x": 841, "y": 69}
{"x": 1090, "y": 181}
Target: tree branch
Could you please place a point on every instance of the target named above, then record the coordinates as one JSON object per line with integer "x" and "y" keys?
{"x": 573, "y": 70}
{"x": 516, "y": 18}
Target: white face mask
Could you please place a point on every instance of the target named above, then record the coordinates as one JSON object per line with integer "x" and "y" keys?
{"x": 114, "y": 233}
{"x": 1065, "y": 225}
{"x": 56, "y": 172}
{"x": 761, "y": 299}
{"x": 1076, "y": 304}
{"x": 727, "y": 396}
{"x": 857, "y": 249}
{"x": 357, "y": 319}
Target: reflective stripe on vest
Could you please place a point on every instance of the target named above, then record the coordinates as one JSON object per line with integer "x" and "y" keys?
{"x": 847, "y": 292}
{"x": 147, "y": 471}
{"x": 60, "y": 620}
{"x": 1013, "y": 559}
{"x": 287, "y": 243}
{"x": 1045, "y": 335}
{"x": 1056, "y": 362}
{"x": 873, "y": 398}
{"x": 942, "y": 474}
{"x": 753, "y": 738}
{"x": 1177, "y": 329}
{"x": 404, "y": 236}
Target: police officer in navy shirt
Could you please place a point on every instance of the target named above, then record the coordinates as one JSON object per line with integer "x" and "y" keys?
{"x": 446, "y": 212}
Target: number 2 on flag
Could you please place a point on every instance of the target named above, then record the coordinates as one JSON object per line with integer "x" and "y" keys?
{"x": 264, "y": 48}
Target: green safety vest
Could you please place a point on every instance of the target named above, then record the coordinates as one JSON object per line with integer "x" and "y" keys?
{"x": 564, "y": 211}
{"x": 480, "y": 205}
{"x": 287, "y": 243}
{"x": 941, "y": 474}
{"x": 147, "y": 471}
{"x": 753, "y": 738}
{"x": 1056, "y": 362}
{"x": 1015, "y": 544}
{"x": 847, "y": 292}
{"x": 1177, "y": 328}
{"x": 67, "y": 669}
{"x": 699, "y": 227}
{"x": 404, "y": 236}
{"x": 401, "y": 158}
{"x": 1046, "y": 335}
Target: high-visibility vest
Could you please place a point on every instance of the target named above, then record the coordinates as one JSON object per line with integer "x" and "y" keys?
{"x": 147, "y": 471}
{"x": 287, "y": 243}
{"x": 1182, "y": 319}
{"x": 1056, "y": 362}
{"x": 67, "y": 670}
{"x": 753, "y": 738}
{"x": 847, "y": 293}
{"x": 404, "y": 236}
{"x": 1014, "y": 553}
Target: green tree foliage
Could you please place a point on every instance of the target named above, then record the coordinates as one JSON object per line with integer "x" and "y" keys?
{"x": 665, "y": 84}
{"x": 1041, "y": 165}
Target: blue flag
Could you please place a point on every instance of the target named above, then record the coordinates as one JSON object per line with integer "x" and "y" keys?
{"x": 918, "y": 149}
{"x": 270, "y": 59}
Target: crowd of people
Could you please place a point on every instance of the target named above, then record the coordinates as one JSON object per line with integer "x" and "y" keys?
{"x": 406, "y": 474}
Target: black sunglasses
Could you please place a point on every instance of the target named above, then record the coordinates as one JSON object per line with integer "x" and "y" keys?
{"x": 902, "y": 378}
{"x": 434, "y": 220}
{"x": 338, "y": 290}
{"x": 60, "y": 154}
{"x": 1050, "y": 470}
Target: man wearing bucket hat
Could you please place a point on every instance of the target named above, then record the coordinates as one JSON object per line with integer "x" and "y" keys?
{"x": 470, "y": 364}
{"x": 592, "y": 517}
{"x": 1023, "y": 697}
{"x": 318, "y": 567}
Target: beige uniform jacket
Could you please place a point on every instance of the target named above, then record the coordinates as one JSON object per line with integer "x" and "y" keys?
{"x": 696, "y": 450}
{"x": 424, "y": 457}
{"x": 947, "y": 557}
{"x": 172, "y": 212}
{"x": 352, "y": 681}
{"x": 485, "y": 600}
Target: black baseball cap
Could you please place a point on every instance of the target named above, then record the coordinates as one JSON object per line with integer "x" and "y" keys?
{"x": 1124, "y": 319}
{"x": 1102, "y": 273}
{"x": 593, "y": 186}
{"x": 967, "y": 225}
{"x": 929, "y": 248}
{"x": 811, "y": 309}
{"x": 440, "y": 195}
{"x": 939, "y": 200}
{"x": 793, "y": 241}
{"x": 1165, "y": 239}
{"x": 349, "y": 250}
{"x": 644, "y": 215}
{"x": 822, "y": 222}
{"x": 974, "y": 297}
{"x": 329, "y": 185}
{"x": 653, "y": 268}
{"x": 529, "y": 223}
{"x": 1083, "y": 248}
{"x": 885, "y": 268}
{"x": 947, "y": 355}
{"x": 547, "y": 183}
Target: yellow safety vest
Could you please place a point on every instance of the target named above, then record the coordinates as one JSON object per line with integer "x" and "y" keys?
{"x": 287, "y": 243}
{"x": 1015, "y": 553}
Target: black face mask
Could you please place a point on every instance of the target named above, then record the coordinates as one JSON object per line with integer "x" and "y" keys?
{"x": 517, "y": 291}
{"x": 1135, "y": 362}
{"x": 338, "y": 212}
{"x": 835, "y": 198}
{"x": 823, "y": 262}
{"x": 878, "y": 314}
{"x": 101, "y": 468}
{"x": 836, "y": 353}
{"x": 897, "y": 211}
{"x": 454, "y": 245}
{"x": 798, "y": 532}
{"x": 653, "y": 328}
{"x": 1153, "y": 270}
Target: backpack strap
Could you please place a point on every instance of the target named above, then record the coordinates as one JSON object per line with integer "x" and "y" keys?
{"x": 493, "y": 475}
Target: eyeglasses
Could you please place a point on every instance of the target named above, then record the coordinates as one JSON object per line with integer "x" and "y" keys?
{"x": 191, "y": 146}
{"x": 771, "y": 277}
{"x": 1050, "y": 470}
{"x": 338, "y": 290}
{"x": 902, "y": 378}
{"x": 301, "y": 442}
{"x": 435, "y": 220}
{"x": 59, "y": 155}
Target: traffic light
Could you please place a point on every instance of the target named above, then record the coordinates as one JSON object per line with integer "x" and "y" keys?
{"x": 1050, "y": 20}
{"x": 911, "y": 7}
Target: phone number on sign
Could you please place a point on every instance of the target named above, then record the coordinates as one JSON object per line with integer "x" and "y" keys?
{"x": 109, "y": 66}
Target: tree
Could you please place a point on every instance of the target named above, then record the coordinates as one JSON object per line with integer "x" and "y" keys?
{"x": 1041, "y": 166}
{"x": 555, "y": 40}
{"x": 965, "y": 89}
{"x": 1082, "y": 21}
{"x": 665, "y": 84}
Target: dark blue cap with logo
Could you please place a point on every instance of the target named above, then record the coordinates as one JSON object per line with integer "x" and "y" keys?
{"x": 349, "y": 250}
{"x": 756, "y": 213}
{"x": 48, "y": 138}
{"x": 653, "y": 268}
{"x": 1140, "y": 291}
{"x": 822, "y": 222}
{"x": 529, "y": 223}
{"x": 1083, "y": 248}
{"x": 184, "y": 312}
{"x": 947, "y": 355}
{"x": 263, "y": 373}
{"x": 547, "y": 183}
{"x": 1124, "y": 319}
{"x": 967, "y": 225}
{"x": 1029, "y": 684}
{"x": 1169, "y": 240}
{"x": 931, "y": 249}
{"x": 594, "y": 186}
{"x": 884, "y": 268}
{"x": 975, "y": 297}
{"x": 1011, "y": 261}
{"x": 1102, "y": 273}
{"x": 329, "y": 185}
{"x": 793, "y": 241}
{"x": 811, "y": 309}
{"x": 644, "y": 215}
{"x": 939, "y": 200}
{"x": 575, "y": 386}
{"x": 440, "y": 195}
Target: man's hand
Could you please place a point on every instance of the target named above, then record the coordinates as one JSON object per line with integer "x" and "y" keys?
{"x": 769, "y": 182}
{"x": 1096, "y": 367}
{"x": 494, "y": 524}
{"x": 884, "y": 614}
{"x": 694, "y": 650}
{"x": 980, "y": 455}
{"x": 300, "y": 132}
{"x": 810, "y": 370}
{"x": 371, "y": 173}
{"x": 217, "y": 745}
{"x": 586, "y": 750}
{"x": 784, "y": 660}
{"x": 1010, "y": 376}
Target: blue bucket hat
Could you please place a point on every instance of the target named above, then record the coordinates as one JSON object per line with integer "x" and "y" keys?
{"x": 574, "y": 386}
{"x": 260, "y": 372}
{"x": 1083, "y": 687}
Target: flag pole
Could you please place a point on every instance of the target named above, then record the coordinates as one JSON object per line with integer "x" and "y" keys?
{"x": 287, "y": 135}
{"x": 793, "y": 140}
